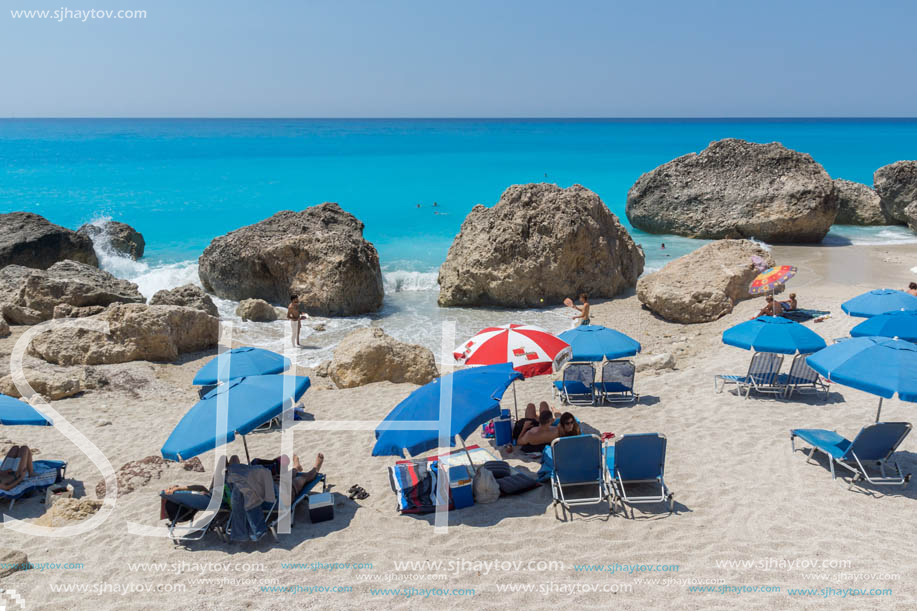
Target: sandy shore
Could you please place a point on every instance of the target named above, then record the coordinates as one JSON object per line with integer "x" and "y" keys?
{"x": 741, "y": 495}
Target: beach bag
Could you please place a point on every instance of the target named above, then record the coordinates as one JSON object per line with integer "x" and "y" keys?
{"x": 486, "y": 488}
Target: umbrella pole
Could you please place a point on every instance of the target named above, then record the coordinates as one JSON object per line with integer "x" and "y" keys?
{"x": 515, "y": 405}
{"x": 879, "y": 411}
{"x": 468, "y": 454}
{"x": 245, "y": 443}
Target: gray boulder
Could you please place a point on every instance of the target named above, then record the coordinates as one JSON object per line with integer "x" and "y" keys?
{"x": 539, "y": 244}
{"x": 369, "y": 355}
{"x": 896, "y": 185}
{"x": 187, "y": 295}
{"x": 4, "y": 328}
{"x": 256, "y": 310}
{"x": 857, "y": 204}
{"x": 705, "y": 284}
{"x": 318, "y": 254}
{"x": 736, "y": 189}
{"x": 138, "y": 332}
{"x": 30, "y": 240}
{"x": 11, "y": 561}
{"x": 116, "y": 237}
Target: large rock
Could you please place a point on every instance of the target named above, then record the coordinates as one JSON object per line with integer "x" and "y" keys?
{"x": 369, "y": 355}
{"x": 115, "y": 237}
{"x": 32, "y": 241}
{"x": 138, "y": 332}
{"x": 256, "y": 310}
{"x": 736, "y": 189}
{"x": 318, "y": 254}
{"x": 186, "y": 295}
{"x": 12, "y": 560}
{"x": 536, "y": 246}
{"x": 857, "y": 204}
{"x": 703, "y": 285}
{"x": 4, "y": 327}
{"x": 66, "y": 282}
{"x": 896, "y": 185}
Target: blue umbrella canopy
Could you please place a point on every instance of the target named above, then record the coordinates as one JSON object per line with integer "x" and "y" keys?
{"x": 901, "y": 324}
{"x": 14, "y": 412}
{"x": 476, "y": 394}
{"x": 239, "y": 363}
{"x": 597, "y": 343}
{"x": 774, "y": 334}
{"x": 251, "y": 402}
{"x": 879, "y": 301}
{"x": 877, "y": 365}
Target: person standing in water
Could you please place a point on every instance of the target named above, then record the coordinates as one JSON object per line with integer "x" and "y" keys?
{"x": 583, "y": 309}
{"x": 295, "y": 317}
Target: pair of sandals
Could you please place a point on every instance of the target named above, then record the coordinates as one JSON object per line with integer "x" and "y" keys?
{"x": 356, "y": 492}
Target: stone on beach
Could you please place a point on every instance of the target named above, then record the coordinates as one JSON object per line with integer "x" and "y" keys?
{"x": 896, "y": 185}
{"x": 4, "y": 327}
{"x": 117, "y": 237}
{"x": 137, "y": 332}
{"x": 12, "y": 560}
{"x": 68, "y": 509}
{"x": 858, "y": 204}
{"x": 705, "y": 284}
{"x": 187, "y": 295}
{"x": 319, "y": 254}
{"x": 538, "y": 245}
{"x": 256, "y": 310}
{"x": 654, "y": 362}
{"x": 30, "y": 240}
{"x": 736, "y": 189}
{"x": 369, "y": 355}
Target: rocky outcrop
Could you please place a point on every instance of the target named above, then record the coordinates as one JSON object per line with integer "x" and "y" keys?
{"x": 705, "y": 284}
{"x": 65, "y": 310}
{"x": 30, "y": 240}
{"x": 187, "y": 295}
{"x": 369, "y": 355}
{"x": 536, "y": 246}
{"x": 11, "y": 561}
{"x": 115, "y": 237}
{"x": 4, "y": 327}
{"x": 35, "y": 293}
{"x": 138, "y": 332}
{"x": 736, "y": 189}
{"x": 857, "y": 204}
{"x": 256, "y": 310}
{"x": 318, "y": 254}
{"x": 896, "y": 185}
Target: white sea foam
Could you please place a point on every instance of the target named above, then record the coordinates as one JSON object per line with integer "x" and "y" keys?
{"x": 397, "y": 281}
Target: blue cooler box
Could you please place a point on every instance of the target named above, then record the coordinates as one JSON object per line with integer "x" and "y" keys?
{"x": 460, "y": 487}
{"x": 503, "y": 431}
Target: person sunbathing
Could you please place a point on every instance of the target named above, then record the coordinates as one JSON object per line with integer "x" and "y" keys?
{"x": 790, "y": 304}
{"x": 912, "y": 289}
{"x": 533, "y": 435}
{"x": 301, "y": 477}
{"x": 18, "y": 466}
{"x": 771, "y": 308}
{"x": 568, "y": 426}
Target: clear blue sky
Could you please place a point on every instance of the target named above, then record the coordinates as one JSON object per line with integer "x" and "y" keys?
{"x": 484, "y": 58}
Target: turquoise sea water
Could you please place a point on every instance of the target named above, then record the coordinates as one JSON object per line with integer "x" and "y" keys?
{"x": 183, "y": 182}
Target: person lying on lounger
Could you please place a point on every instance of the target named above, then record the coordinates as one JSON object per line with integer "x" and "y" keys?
{"x": 301, "y": 477}
{"x": 534, "y": 434}
{"x": 568, "y": 426}
{"x": 18, "y": 463}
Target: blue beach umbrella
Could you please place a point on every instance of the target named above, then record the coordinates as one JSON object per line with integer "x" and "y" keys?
{"x": 877, "y": 365}
{"x": 596, "y": 343}
{"x": 239, "y": 363}
{"x": 476, "y": 394}
{"x": 251, "y": 402}
{"x": 879, "y": 301}
{"x": 774, "y": 334}
{"x": 901, "y": 324}
{"x": 14, "y": 412}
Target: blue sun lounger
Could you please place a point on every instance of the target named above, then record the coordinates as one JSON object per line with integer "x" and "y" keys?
{"x": 579, "y": 476}
{"x": 638, "y": 460}
{"x": 47, "y": 473}
{"x": 761, "y": 377}
{"x": 192, "y": 507}
{"x": 875, "y": 443}
{"x": 578, "y": 384}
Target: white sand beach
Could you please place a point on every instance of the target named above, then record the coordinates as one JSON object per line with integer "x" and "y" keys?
{"x": 741, "y": 495}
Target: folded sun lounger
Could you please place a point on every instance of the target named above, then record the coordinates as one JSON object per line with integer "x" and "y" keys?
{"x": 579, "y": 476}
{"x": 761, "y": 377}
{"x": 875, "y": 443}
{"x": 637, "y": 460}
{"x": 47, "y": 473}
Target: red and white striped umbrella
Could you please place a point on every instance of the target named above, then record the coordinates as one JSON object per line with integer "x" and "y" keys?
{"x": 532, "y": 350}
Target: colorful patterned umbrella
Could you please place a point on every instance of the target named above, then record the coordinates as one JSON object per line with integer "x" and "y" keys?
{"x": 770, "y": 279}
{"x": 532, "y": 350}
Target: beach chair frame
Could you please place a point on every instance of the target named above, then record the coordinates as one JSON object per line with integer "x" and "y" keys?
{"x": 763, "y": 371}
{"x": 856, "y": 466}
{"x": 574, "y": 398}
{"x": 627, "y": 395}
{"x": 38, "y": 482}
{"x": 294, "y": 503}
{"x": 202, "y": 522}
{"x": 618, "y": 484}
{"x": 802, "y": 378}
{"x": 559, "y": 488}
